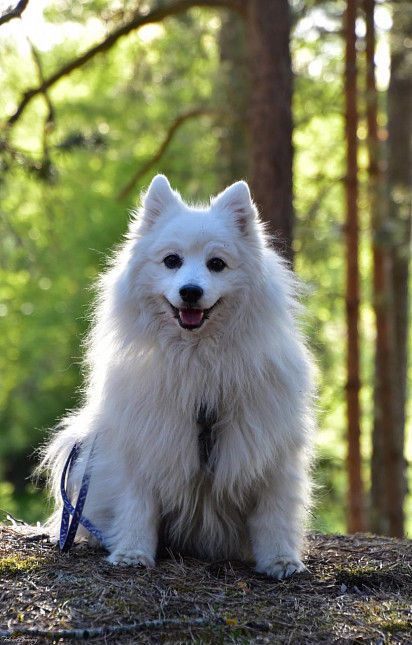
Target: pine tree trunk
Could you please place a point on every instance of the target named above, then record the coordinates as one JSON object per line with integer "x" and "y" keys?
{"x": 400, "y": 198}
{"x": 386, "y": 493}
{"x": 388, "y": 462}
{"x": 233, "y": 94}
{"x": 270, "y": 116}
{"x": 355, "y": 493}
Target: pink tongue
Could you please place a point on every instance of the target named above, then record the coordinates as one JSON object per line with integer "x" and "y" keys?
{"x": 191, "y": 316}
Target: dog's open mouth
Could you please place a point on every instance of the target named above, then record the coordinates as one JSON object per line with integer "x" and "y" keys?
{"x": 191, "y": 318}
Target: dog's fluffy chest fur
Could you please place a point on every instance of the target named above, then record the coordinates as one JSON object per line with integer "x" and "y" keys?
{"x": 158, "y": 418}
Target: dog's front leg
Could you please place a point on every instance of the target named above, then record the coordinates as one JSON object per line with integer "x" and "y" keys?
{"x": 133, "y": 536}
{"x": 275, "y": 526}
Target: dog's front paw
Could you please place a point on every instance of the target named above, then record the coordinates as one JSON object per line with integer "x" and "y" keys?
{"x": 282, "y": 568}
{"x": 123, "y": 557}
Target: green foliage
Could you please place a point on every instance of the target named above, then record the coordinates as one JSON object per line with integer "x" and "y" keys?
{"x": 55, "y": 234}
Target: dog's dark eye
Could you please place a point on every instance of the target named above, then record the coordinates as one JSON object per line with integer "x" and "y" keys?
{"x": 173, "y": 261}
{"x": 216, "y": 265}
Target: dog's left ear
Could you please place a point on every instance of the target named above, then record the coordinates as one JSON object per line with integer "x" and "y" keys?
{"x": 158, "y": 198}
{"x": 237, "y": 201}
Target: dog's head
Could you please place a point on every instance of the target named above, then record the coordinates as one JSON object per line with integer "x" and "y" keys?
{"x": 196, "y": 260}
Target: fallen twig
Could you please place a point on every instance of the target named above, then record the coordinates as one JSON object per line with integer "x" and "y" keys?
{"x": 105, "y": 630}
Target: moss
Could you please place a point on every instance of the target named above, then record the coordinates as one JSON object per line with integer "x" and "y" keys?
{"x": 396, "y": 619}
{"x": 396, "y": 626}
{"x": 118, "y": 605}
{"x": 367, "y": 578}
{"x": 10, "y": 565}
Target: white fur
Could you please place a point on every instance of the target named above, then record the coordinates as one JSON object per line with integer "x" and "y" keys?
{"x": 148, "y": 378}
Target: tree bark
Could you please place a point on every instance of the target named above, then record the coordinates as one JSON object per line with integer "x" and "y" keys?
{"x": 386, "y": 492}
{"x": 355, "y": 510}
{"x": 400, "y": 198}
{"x": 400, "y": 180}
{"x": 233, "y": 93}
{"x": 270, "y": 117}
{"x": 390, "y": 460}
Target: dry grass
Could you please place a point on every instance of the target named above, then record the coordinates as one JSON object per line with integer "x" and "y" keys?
{"x": 357, "y": 589}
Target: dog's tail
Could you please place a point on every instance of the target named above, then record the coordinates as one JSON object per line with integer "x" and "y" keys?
{"x": 53, "y": 456}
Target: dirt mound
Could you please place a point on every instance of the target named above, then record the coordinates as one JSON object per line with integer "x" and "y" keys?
{"x": 356, "y": 589}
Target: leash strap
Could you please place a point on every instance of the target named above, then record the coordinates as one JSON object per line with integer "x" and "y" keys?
{"x": 206, "y": 420}
{"x": 68, "y": 529}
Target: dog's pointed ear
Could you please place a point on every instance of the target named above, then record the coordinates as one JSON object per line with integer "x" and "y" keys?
{"x": 158, "y": 198}
{"x": 237, "y": 201}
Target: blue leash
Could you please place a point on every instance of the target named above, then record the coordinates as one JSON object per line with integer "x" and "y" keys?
{"x": 68, "y": 529}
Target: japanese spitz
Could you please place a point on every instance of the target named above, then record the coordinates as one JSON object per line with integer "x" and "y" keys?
{"x": 199, "y": 395}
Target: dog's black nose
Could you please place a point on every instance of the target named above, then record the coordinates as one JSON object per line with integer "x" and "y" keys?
{"x": 191, "y": 293}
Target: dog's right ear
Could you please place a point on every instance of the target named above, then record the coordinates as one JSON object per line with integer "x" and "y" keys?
{"x": 158, "y": 198}
{"x": 237, "y": 201}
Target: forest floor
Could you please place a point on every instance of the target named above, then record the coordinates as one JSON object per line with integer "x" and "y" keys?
{"x": 357, "y": 589}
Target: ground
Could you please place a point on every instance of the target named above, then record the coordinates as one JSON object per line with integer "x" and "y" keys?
{"x": 357, "y": 589}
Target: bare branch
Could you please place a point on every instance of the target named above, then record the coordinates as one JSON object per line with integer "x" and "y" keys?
{"x": 49, "y": 121}
{"x": 139, "y": 20}
{"x": 182, "y": 118}
{"x": 14, "y": 13}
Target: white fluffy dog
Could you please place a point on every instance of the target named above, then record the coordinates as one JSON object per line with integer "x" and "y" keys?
{"x": 199, "y": 396}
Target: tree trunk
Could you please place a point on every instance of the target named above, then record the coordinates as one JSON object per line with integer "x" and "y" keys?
{"x": 355, "y": 493}
{"x": 270, "y": 116}
{"x": 400, "y": 198}
{"x": 388, "y": 462}
{"x": 233, "y": 94}
{"x": 386, "y": 493}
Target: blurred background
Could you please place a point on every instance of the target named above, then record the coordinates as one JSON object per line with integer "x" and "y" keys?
{"x": 311, "y": 103}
